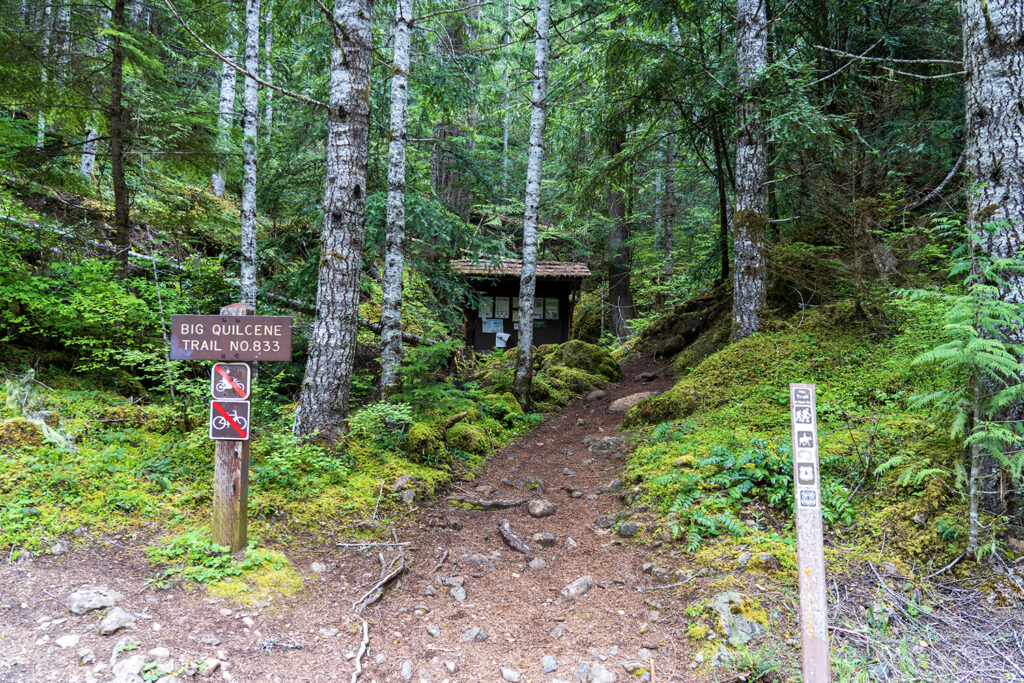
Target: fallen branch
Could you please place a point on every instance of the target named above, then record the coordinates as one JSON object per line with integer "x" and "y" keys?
{"x": 493, "y": 504}
{"x": 377, "y": 590}
{"x": 361, "y": 652}
{"x": 440, "y": 562}
{"x": 511, "y": 539}
{"x": 451, "y": 421}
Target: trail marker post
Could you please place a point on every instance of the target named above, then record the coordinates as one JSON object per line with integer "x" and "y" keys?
{"x": 231, "y": 338}
{"x": 809, "y": 538}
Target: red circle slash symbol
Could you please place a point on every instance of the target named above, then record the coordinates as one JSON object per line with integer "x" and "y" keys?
{"x": 229, "y": 379}
{"x": 224, "y": 414}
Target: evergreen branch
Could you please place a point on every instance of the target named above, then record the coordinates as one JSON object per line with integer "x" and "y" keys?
{"x": 298, "y": 96}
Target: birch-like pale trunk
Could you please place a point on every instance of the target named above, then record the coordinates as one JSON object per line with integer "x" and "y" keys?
{"x": 268, "y": 69}
{"x": 323, "y": 404}
{"x": 657, "y": 206}
{"x": 226, "y": 112}
{"x": 250, "y": 125}
{"x": 394, "y": 257}
{"x": 993, "y": 40}
{"x": 88, "y": 162}
{"x": 43, "y": 77}
{"x": 750, "y": 272}
{"x": 531, "y": 213}
{"x": 117, "y": 123}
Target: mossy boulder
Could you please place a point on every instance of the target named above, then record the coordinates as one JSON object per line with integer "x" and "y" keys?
{"x": 586, "y": 319}
{"x": 740, "y": 617}
{"x": 468, "y": 437}
{"x": 19, "y": 432}
{"x": 424, "y": 441}
{"x": 580, "y": 355}
{"x": 502, "y": 407}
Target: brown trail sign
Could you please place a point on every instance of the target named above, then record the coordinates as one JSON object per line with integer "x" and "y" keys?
{"x": 809, "y": 542}
{"x": 234, "y": 335}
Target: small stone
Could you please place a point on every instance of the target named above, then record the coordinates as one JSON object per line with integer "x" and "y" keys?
{"x": 434, "y": 630}
{"x": 548, "y": 664}
{"x": 452, "y": 581}
{"x": 634, "y": 667}
{"x": 614, "y": 486}
{"x": 531, "y": 483}
{"x": 645, "y": 377}
{"x": 400, "y": 483}
{"x": 69, "y": 640}
{"x": 606, "y": 444}
{"x": 541, "y": 508}
{"x": 116, "y": 620}
{"x": 510, "y": 675}
{"x": 586, "y": 462}
{"x": 474, "y": 635}
{"x": 628, "y": 530}
{"x": 570, "y": 544}
{"x": 451, "y": 667}
{"x": 407, "y": 670}
{"x": 86, "y": 656}
{"x": 484, "y": 490}
{"x": 128, "y": 669}
{"x": 160, "y": 653}
{"x": 318, "y": 567}
{"x": 60, "y": 547}
{"x": 367, "y": 525}
{"x": 544, "y": 540}
{"x": 88, "y": 599}
{"x": 421, "y": 610}
{"x": 537, "y": 563}
{"x": 605, "y": 521}
{"x": 212, "y": 641}
{"x": 595, "y": 395}
{"x": 578, "y": 587}
{"x": 880, "y": 672}
{"x": 225, "y": 612}
{"x": 454, "y": 523}
{"x": 380, "y": 658}
{"x": 558, "y": 631}
{"x": 599, "y": 674}
{"x": 248, "y": 622}
{"x": 458, "y": 593}
{"x": 210, "y": 665}
{"x": 627, "y": 403}
{"x": 743, "y": 561}
{"x": 567, "y": 472}
{"x": 328, "y": 632}
{"x": 477, "y": 559}
{"x": 577, "y": 494}
{"x": 408, "y": 496}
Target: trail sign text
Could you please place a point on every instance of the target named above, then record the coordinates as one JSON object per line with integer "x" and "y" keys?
{"x": 231, "y": 337}
{"x": 809, "y": 542}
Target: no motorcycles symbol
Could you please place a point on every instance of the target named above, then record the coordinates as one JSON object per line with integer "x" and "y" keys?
{"x": 230, "y": 381}
{"x": 229, "y": 420}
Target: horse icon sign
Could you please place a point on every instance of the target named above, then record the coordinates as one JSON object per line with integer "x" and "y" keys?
{"x": 229, "y": 420}
{"x": 230, "y": 381}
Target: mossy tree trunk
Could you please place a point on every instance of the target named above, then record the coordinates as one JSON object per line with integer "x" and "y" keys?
{"x": 750, "y": 271}
{"x": 323, "y": 404}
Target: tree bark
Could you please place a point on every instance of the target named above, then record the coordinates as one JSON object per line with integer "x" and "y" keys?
{"x": 323, "y": 404}
{"x": 250, "y": 127}
{"x": 531, "y": 213}
{"x": 993, "y": 57}
{"x": 620, "y": 291}
{"x": 226, "y": 112}
{"x": 750, "y": 218}
{"x": 43, "y": 76}
{"x": 391, "y": 307}
{"x": 722, "y": 189}
{"x": 117, "y": 123}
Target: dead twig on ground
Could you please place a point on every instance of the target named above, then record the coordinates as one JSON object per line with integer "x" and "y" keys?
{"x": 379, "y": 494}
{"x": 493, "y": 504}
{"x": 511, "y": 539}
{"x": 440, "y": 563}
{"x": 361, "y": 651}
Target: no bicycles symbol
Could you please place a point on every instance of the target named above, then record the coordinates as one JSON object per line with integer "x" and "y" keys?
{"x": 230, "y": 381}
{"x": 229, "y": 420}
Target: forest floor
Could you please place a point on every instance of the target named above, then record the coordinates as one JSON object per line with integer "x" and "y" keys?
{"x": 417, "y": 631}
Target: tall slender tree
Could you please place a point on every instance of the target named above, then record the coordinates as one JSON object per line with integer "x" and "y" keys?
{"x": 250, "y": 127}
{"x": 226, "y": 108}
{"x": 323, "y": 404}
{"x": 620, "y": 290}
{"x": 531, "y": 212}
{"x": 668, "y": 214}
{"x": 749, "y": 222}
{"x": 391, "y": 307}
{"x": 117, "y": 125}
{"x": 44, "y": 76}
{"x": 268, "y": 67}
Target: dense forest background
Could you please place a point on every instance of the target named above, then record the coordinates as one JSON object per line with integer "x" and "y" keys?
{"x": 764, "y": 192}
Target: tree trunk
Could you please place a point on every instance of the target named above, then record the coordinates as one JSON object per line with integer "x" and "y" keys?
{"x": 250, "y": 126}
{"x": 391, "y": 307}
{"x": 750, "y": 218}
{"x": 668, "y": 218}
{"x": 993, "y": 39}
{"x": 506, "y": 118}
{"x": 43, "y": 77}
{"x": 323, "y": 404}
{"x": 118, "y": 118}
{"x": 620, "y": 292}
{"x": 268, "y": 69}
{"x": 531, "y": 212}
{"x": 722, "y": 189}
{"x": 226, "y": 112}
{"x": 88, "y": 163}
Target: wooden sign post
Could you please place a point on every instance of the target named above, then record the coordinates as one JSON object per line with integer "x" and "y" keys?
{"x": 809, "y": 542}
{"x": 230, "y": 524}
{"x": 231, "y": 338}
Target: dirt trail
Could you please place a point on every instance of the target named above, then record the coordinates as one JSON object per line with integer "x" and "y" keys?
{"x": 623, "y": 617}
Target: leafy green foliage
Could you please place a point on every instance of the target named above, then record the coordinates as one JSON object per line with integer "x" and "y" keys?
{"x": 192, "y": 555}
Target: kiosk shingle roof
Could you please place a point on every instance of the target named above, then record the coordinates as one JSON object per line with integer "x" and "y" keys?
{"x": 512, "y": 268}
